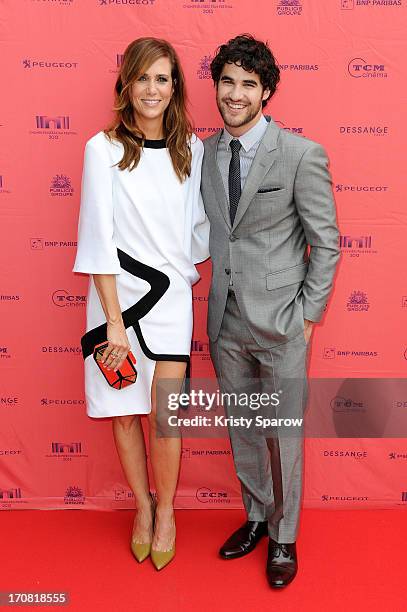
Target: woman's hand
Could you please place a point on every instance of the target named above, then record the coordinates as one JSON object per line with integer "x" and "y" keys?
{"x": 116, "y": 351}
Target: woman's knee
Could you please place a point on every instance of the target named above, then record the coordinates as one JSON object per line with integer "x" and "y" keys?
{"x": 126, "y": 422}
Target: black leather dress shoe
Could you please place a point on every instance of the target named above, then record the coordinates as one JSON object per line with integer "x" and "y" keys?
{"x": 281, "y": 563}
{"x": 244, "y": 540}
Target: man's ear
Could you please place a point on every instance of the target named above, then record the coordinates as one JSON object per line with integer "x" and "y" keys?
{"x": 266, "y": 94}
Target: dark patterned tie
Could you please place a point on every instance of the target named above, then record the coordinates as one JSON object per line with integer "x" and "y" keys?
{"x": 235, "y": 188}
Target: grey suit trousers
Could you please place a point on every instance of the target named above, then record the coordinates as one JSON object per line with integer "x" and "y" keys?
{"x": 268, "y": 461}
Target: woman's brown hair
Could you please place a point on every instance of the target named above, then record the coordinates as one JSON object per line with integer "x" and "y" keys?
{"x": 138, "y": 57}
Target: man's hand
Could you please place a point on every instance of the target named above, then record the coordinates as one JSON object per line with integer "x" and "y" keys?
{"x": 308, "y": 326}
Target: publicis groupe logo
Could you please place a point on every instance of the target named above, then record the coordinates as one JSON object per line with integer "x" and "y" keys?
{"x": 64, "y": 299}
{"x": 61, "y": 186}
{"x": 347, "y": 5}
{"x": 358, "y": 302}
{"x": 299, "y": 67}
{"x": 130, "y": 3}
{"x": 364, "y": 130}
{"x": 356, "y": 246}
{"x": 39, "y": 244}
{"x": 293, "y": 129}
{"x": 344, "y": 498}
{"x": 394, "y": 455}
{"x": 204, "y": 70}
{"x": 74, "y": 495}
{"x": 66, "y": 450}
{"x": 330, "y": 352}
{"x": 289, "y": 7}
{"x": 30, "y": 64}
{"x": 62, "y": 349}
{"x": 206, "y": 495}
{"x": 359, "y": 68}
{"x": 3, "y": 187}
{"x": 344, "y": 188}
{"x": 347, "y": 454}
{"x": 4, "y": 353}
{"x": 53, "y": 126}
{"x": 61, "y": 401}
{"x": 346, "y": 405}
{"x": 208, "y": 7}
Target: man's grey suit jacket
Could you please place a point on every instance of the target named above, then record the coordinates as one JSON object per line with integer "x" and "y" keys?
{"x": 286, "y": 205}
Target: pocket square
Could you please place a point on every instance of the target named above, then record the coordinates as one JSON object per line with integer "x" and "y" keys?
{"x": 268, "y": 189}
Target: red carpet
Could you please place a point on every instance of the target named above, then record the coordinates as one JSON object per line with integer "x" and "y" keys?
{"x": 349, "y": 560}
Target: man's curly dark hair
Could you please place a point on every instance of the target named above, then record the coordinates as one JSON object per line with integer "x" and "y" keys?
{"x": 253, "y": 55}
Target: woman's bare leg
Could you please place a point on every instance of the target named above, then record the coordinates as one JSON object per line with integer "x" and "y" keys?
{"x": 165, "y": 456}
{"x": 129, "y": 439}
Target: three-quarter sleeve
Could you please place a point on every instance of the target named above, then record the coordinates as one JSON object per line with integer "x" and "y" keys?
{"x": 200, "y": 222}
{"x": 96, "y": 251}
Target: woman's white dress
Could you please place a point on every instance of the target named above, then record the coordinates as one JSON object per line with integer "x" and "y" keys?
{"x": 148, "y": 229}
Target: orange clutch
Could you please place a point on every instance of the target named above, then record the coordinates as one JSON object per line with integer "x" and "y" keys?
{"x": 125, "y": 376}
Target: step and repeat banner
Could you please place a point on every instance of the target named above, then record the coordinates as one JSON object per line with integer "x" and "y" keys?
{"x": 343, "y": 84}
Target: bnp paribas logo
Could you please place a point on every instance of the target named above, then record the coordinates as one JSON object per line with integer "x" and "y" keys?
{"x": 358, "y": 302}
{"x": 204, "y": 70}
{"x": 289, "y": 7}
{"x": 348, "y": 5}
{"x": 61, "y": 186}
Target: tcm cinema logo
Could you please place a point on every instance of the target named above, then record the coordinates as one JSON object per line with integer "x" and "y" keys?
{"x": 64, "y": 299}
{"x": 358, "y": 302}
{"x": 74, "y": 496}
{"x": 348, "y": 5}
{"x": 47, "y": 64}
{"x": 359, "y": 68}
{"x": 130, "y": 3}
{"x": 330, "y": 352}
{"x": 204, "y": 70}
{"x": 61, "y": 186}
{"x": 3, "y": 187}
{"x": 208, "y": 7}
{"x": 289, "y": 7}
{"x": 355, "y": 246}
{"x": 53, "y": 126}
{"x": 4, "y": 353}
{"x": 364, "y": 130}
{"x": 208, "y": 496}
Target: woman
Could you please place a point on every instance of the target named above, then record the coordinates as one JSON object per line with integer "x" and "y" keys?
{"x": 142, "y": 227}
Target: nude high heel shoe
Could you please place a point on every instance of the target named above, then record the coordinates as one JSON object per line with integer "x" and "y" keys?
{"x": 161, "y": 558}
{"x": 142, "y": 550}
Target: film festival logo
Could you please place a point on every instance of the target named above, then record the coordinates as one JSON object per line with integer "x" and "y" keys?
{"x": 74, "y": 496}
{"x": 359, "y": 68}
{"x": 200, "y": 349}
{"x": 66, "y": 450}
{"x": 119, "y": 63}
{"x": 61, "y": 186}
{"x": 56, "y": 2}
{"x": 3, "y": 188}
{"x": 53, "y": 126}
{"x": 204, "y": 70}
{"x": 355, "y": 246}
{"x": 208, "y": 7}
{"x": 289, "y": 7}
{"x": 64, "y": 299}
{"x": 29, "y": 63}
{"x": 358, "y": 302}
{"x": 10, "y": 494}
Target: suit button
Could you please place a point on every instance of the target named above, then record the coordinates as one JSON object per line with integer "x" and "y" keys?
{"x": 232, "y": 238}
{"x": 227, "y": 270}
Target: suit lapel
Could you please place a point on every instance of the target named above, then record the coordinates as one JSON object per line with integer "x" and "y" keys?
{"x": 216, "y": 178}
{"x": 264, "y": 159}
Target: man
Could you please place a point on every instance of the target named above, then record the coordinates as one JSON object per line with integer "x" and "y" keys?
{"x": 274, "y": 249}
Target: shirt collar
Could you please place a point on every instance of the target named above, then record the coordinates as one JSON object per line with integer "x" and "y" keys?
{"x": 249, "y": 138}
